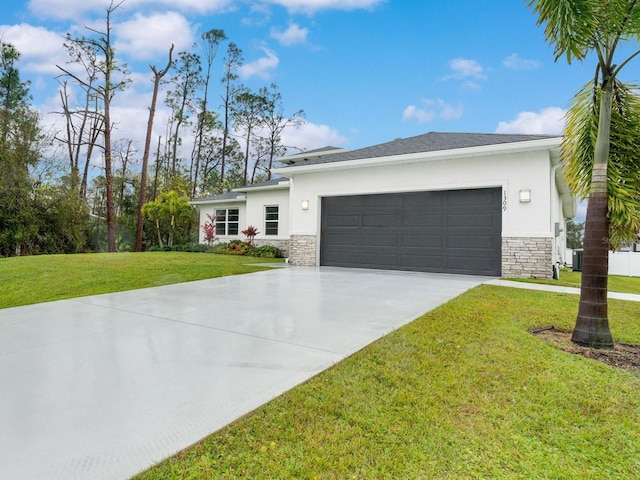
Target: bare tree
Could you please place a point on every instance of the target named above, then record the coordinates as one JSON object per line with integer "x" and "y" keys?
{"x": 232, "y": 62}
{"x": 83, "y": 126}
{"x": 157, "y": 77}
{"x": 100, "y": 52}
{"x": 124, "y": 152}
{"x": 212, "y": 39}
{"x": 181, "y": 100}
{"x": 249, "y": 111}
{"x": 275, "y": 122}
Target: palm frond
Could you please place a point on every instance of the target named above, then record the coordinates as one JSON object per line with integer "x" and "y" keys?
{"x": 623, "y": 169}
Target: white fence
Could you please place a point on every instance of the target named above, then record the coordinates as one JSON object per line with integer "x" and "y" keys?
{"x": 626, "y": 264}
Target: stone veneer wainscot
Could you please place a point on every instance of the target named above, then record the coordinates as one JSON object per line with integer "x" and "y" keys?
{"x": 526, "y": 257}
{"x": 302, "y": 250}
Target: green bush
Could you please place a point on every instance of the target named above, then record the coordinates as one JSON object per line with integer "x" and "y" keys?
{"x": 238, "y": 247}
{"x": 183, "y": 247}
{"x": 268, "y": 251}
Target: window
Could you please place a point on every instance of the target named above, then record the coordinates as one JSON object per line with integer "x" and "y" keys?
{"x": 271, "y": 215}
{"x": 227, "y": 221}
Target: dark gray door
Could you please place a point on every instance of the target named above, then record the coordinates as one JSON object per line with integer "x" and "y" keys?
{"x": 455, "y": 231}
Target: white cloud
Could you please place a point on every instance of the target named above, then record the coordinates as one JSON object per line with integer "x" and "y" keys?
{"x": 469, "y": 85}
{"x": 145, "y": 37}
{"x": 449, "y": 112}
{"x": 40, "y": 49}
{"x": 77, "y": 9}
{"x": 261, "y": 67}
{"x": 309, "y": 136}
{"x": 420, "y": 115}
{"x": 431, "y": 109}
{"x": 312, "y": 6}
{"x": 549, "y": 120}
{"x": 514, "y": 62}
{"x": 465, "y": 68}
{"x": 294, "y": 35}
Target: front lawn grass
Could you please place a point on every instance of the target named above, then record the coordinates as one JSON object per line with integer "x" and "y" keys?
{"x": 28, "y": 280}
{"x": 569, "y": 278}
{"x": 464, "y": 392}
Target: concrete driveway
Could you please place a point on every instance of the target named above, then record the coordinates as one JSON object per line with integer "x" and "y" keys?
{"x": 102, "y": 387}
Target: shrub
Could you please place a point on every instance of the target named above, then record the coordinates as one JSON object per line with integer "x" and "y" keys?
{"x": 268, "y": 251}
{"x": 238, "y": 247}
{"x": 250, "y": 232}
{"x": 184, "y": 247}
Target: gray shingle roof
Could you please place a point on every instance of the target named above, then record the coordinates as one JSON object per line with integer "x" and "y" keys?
{"x": 428, "y": 142}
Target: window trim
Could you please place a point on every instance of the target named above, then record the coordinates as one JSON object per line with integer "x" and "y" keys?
{"x": 268, "y": 222}
{"x": 227, "y": 223}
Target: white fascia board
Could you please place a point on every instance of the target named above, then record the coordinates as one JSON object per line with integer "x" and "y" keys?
{"x": 484, "y": 150}
{"x": 204, "y": 201}
{"x": 279, "y": 186}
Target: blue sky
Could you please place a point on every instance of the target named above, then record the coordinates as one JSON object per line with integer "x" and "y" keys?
{"x": 364, "y": 71}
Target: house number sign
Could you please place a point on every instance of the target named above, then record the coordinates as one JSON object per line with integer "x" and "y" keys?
{"x": 504, "y": 200}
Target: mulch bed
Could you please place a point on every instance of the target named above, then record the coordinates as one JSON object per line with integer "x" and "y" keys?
{"x": 623, "y": 355}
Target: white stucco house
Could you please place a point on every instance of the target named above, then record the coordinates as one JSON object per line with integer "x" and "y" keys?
{"x": 479, "y": 204}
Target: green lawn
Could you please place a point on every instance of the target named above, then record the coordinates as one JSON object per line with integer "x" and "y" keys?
{"x": 569, "y": 278}
{"x": 464, "y": 392}
{"x": 27, "y": 280}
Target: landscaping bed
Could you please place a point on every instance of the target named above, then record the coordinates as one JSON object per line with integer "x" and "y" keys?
{"x": 624, "y": 355}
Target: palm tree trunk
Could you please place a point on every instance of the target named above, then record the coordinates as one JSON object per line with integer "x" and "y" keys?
{"x": 592, "y": 323}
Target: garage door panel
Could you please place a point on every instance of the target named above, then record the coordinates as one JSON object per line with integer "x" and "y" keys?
{"x": 478, "y": 242}
{"x": 343, "y": 203}
{"x": 422, "y": 219}
{"x": 379, "y": 241}
{"x": 346, "y": 239}
{"x": 464, "y": 264}
{"x": 344, "y": 221}
{"x": 471, "y": 198}
{"x": 471, "y": 220}
{"x": 432, "y": 263}
{"x": 390, "y": 201}
{"x": 427, "y": 240}
{"x": 418, "y": 200}
{"x": 380, "y": 221}
{"x": 379, "y": 260}
{"x": 444, "y": 231}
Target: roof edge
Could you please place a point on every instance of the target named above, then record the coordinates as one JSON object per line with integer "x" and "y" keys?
{"x": 482, "y": 150}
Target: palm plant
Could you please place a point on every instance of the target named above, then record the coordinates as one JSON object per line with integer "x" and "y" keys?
{"x": 624, "y": 164}
{"x": 172, "y": 209}
{"x": 577, "y": 29}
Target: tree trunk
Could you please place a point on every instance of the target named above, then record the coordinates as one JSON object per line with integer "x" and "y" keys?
{"x": 592, "y": 323}
{"x": 157, "y": 76}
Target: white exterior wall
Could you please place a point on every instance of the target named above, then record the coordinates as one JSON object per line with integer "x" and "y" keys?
{"x": 511, "y": 172}
{"x": 210, "y": 208}
{"x": 251, "y": 212}
{"x": 256, "y": 202}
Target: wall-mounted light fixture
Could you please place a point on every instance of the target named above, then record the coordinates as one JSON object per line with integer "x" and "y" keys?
{"x": 525, "y": 196}
{"x": 305, "y": 204}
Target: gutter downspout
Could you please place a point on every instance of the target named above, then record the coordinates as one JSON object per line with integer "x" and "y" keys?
{"x": 554, "y": 209}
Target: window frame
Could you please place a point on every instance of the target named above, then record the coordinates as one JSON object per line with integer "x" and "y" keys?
{"x": 270, "y": 222}
{"x": 229, "y": 219}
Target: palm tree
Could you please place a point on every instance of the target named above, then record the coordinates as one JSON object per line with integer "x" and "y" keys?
{"x": 152, "y": 211}
{"x": 623, "y": 166}
{"x": 576, "y": 29}
{"x": 176, "y": 209}
{"x": 170, "y": 208}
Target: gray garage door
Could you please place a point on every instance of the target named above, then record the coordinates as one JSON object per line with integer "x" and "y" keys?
{"x": 456, "y": 231}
